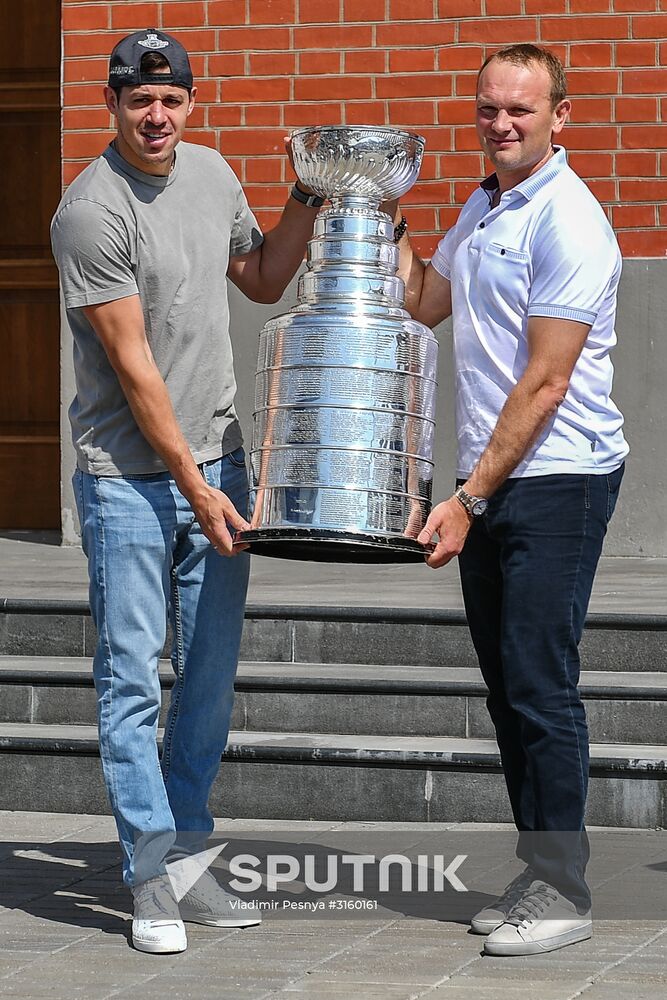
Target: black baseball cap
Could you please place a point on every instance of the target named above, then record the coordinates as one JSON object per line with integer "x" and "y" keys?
{"x": 125, "y": 60}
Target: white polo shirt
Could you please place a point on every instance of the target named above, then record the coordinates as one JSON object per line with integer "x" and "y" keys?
{"x": 546, "y": 250}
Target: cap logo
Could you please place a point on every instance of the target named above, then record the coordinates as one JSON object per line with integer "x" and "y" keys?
{"x": 153, "y": 42}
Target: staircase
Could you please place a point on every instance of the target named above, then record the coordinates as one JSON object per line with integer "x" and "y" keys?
{"x": 340, "y": 714}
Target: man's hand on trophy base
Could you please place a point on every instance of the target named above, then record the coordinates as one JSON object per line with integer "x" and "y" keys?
{"x": 450, "y": 522}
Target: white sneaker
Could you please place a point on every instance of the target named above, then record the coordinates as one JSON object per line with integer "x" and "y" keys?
{"x": 494, "y": 915}
{"x": 157, "y": 926}
{"x": 542, "y": 920}
{"x": 208, "y": 903}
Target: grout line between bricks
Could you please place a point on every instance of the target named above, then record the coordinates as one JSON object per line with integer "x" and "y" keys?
{"x": 598, "y": 976}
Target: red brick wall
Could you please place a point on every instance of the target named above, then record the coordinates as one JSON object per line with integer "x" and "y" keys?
{"x": 267, "y": 66}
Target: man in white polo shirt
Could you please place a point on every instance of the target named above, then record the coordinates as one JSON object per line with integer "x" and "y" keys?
{"x": 530, "y": 273}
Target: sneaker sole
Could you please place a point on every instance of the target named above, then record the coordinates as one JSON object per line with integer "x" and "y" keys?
{"x": 199, "y": 918}
{"x": 539, "y": 947}
{"x": 155, "y": 948}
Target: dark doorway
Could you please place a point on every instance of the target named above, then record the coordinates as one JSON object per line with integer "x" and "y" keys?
{"x": 29, "y": 311}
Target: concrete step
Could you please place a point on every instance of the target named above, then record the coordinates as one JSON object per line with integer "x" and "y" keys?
{"x": 318, "y": 634}
{"x": 622, "y": 707}
{"x": 322, "y": 776}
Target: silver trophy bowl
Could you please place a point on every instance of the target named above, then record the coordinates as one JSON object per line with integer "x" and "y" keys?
{"x": 341, "y": 456}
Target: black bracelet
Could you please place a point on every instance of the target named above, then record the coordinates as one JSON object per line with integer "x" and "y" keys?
{"x": 401, "y": 229}
{"x": 311, "y": 200}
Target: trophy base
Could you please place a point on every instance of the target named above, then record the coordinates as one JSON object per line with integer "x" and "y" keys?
{"x": 329, "y": 545}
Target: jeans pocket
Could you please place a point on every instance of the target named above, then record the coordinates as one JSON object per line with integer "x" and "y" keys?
{"x": 613, "y": 487}
{"x": 237, "y": 457}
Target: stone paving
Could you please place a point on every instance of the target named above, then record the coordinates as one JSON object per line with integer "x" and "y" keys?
{"x": 64, "y": 925}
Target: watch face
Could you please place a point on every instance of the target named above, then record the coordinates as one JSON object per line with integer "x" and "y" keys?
{"x": 479, "y": 507}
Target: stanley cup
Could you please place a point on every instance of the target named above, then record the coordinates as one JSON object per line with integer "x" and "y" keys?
{"x": 341, "y": 458}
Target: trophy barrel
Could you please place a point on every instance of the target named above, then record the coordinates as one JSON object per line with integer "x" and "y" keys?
{"x": 341, "y": 456}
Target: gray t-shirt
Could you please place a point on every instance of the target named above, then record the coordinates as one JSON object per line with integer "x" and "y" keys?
{"x": 119, "y": 231}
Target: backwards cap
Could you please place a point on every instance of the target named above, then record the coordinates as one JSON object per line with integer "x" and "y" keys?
{"x": 125, "y": 60}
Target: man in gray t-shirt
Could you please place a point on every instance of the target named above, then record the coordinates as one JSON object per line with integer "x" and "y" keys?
{"x": 144, "y": 239}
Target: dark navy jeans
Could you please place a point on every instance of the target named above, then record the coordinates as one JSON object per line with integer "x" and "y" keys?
{"x": 527, "y": 570}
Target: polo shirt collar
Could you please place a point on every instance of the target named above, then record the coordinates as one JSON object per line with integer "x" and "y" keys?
{"x": 536, "y": 181}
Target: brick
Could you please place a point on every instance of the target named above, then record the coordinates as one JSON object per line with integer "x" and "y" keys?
{"x": 360, "y": 10}
{"x": 134, "y": 16}
{"x": 83, "y": 95}
{"x": 266, "y": 195}
{"x": 631, "y": 163}
{"x": 183, "y": 15}
{"x": 422, "y": 220}
{"x": 431, "y": 193}
{"x": 433, "y": 85}
{"x": 595, "y": 54}
{"x": 197, "y": 40}
{"x": 250, "y": 39}
{"x": 333, "y": 36}
{"x": 643, "y": 243}
{"x": 272, "y": 63}
{"x": 425, "y": 246}
{"x": 465, "y": 139}
{"x": 311, "y": 63}
{"x": 503, "y": 8}
{"x": 263, "y": 114}
{"x": 226, "y": 12}
{"x": 412, "y": 113}
{"x": 630, "y": 6}
{"x": 264, "y": 169}
{"x": 500, "y": 31}
{"x": 248, "y": 91}
{"x": 592, "y": 109}
{"x": 272, "y": 12}
{"x": 460, "y": 57}
{"x": 318, "y": 12}
{"x": 363, "y": 61}
{"x": 207, "y": 91}
{"x": 447, "y": 217}
{"x": 459, "y": 8}
{"x": 644, "y": 81}
{"x": 90, "y": 44}
{"x": 556, "y": 29}
{"x": 85, "y": 145}
{"x": 268, "y": 218}
{"x": 465, "y": 85}
{"x": 590, "y": 137}
{"x": 248, "y": 142}
{"x": 633, "y": 216}
{"x": 332, "y": 88}
{"x": 411, "y": 60}
{"x": 654, "y": 26}
{"x": 644, "y": 136}
{"x": 408, "y": 10}
{"x": 644, "y": 189}
{"x": 86, "y": 18}
{"x": 302, "y": 115}
{"x": 429, "y": 170}
{"x": 438, "y": 139}
{"x": 460, "y": 165}
{"x": 204, "y": 137}
{"x": 223, "y": 116}
{"x": 365, "y": 113}
{"x": 590, "y": 6}
{"x": 227, "y": 64}
{"x": 662, "y": 215}
{"x": 603, "y": 189}
{"x": 636, "y": 54}
{"x": 463, "y": 190}
{"x": 456, "y": 112}
{"x": 86, "y": 118}
{"x": 593, "y": 82}
{"x": 85, "y": 70}
{"x": 591, "y": 164}
{"x": 635, "y": 109}
{"x": 543, "y": 7}
{"x": 415, "y": 33}
{"x": 197, "y": 118}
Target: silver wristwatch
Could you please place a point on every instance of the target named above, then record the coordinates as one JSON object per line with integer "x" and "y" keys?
{"x": 475, "y": 506}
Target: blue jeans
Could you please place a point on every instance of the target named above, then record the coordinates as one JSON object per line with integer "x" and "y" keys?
{"x": 527, "y": 571}
{"x": 148, "y": 560}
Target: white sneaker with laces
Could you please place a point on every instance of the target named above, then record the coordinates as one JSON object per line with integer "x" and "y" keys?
{"x": 206, "y": 902}
{"x": 493, "y": 916}
{"x": 542, "y": 920}
{"x": 157, "y": 926}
